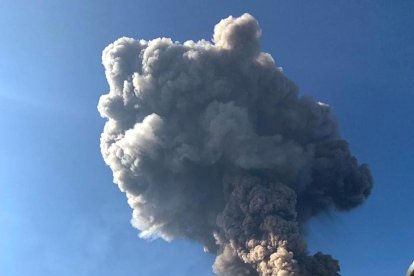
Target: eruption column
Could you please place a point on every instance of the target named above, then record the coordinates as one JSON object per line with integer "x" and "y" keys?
{"x": 211, "y": 142}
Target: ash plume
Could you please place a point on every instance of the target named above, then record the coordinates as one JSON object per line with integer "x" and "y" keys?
{"x": 210, "y": 141}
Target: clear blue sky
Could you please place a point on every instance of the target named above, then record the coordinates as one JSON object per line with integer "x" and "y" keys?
{"x": 60, "y": 214}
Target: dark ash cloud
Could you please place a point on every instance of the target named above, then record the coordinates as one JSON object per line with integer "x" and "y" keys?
{"x": 211, "y": 142}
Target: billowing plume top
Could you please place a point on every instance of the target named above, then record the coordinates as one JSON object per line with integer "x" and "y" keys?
{"x": 240, "y": 35}
{"x": 211, "y": 142}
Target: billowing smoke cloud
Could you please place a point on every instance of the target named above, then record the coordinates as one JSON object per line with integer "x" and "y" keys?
{"x": 211, "y": 142}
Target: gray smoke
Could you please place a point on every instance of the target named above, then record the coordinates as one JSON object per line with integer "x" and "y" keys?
{"x": 211, "y": 142}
